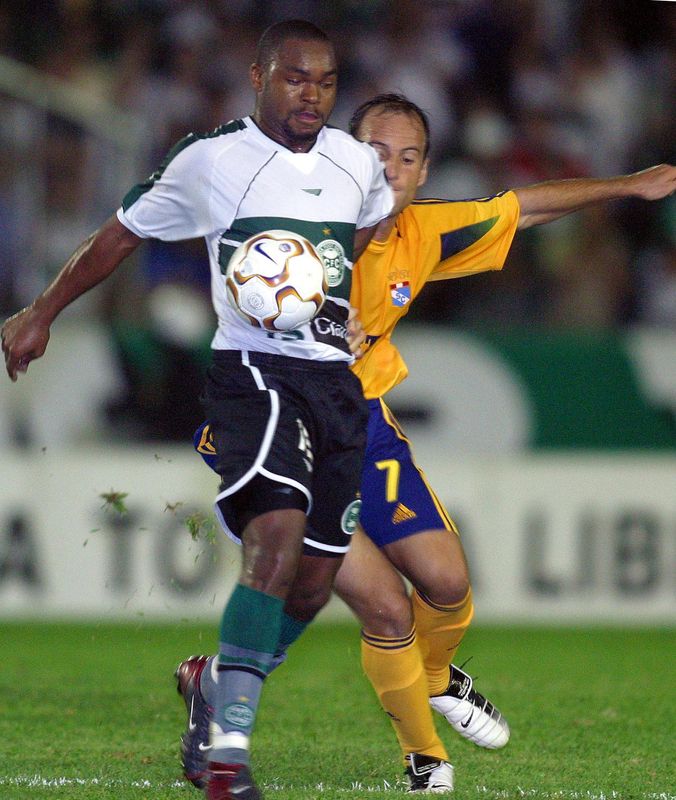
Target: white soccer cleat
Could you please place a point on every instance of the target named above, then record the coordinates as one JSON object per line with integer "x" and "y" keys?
{"x": 470, "y": 714}
{"x": 428, "y": 775}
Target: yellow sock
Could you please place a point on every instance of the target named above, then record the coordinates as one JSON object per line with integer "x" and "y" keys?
{"x": 395, "y": 669}
{"x": 440, "y": 631}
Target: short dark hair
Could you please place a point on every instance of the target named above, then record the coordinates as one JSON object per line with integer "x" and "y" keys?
{"x": 274, "y": 37}
{"x": 393, "y": 103}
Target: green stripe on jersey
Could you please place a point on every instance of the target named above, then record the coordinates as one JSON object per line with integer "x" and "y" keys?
{"x": 141, "y": 188}
{"x": 455, "y": 241}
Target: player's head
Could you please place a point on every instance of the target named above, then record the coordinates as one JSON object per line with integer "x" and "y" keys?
{"x": 399, "y": 130}
{"x": 294, "y": 77}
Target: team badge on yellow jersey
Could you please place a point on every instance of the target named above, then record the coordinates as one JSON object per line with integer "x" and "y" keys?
{"x": 400, "y": 293}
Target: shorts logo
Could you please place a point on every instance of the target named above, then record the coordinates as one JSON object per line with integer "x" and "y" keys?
{"x": 205, "y": 446}
{"x": 304, "y": 445}
{"x": 402, "y": 513}
{"x": 238, "y": 714}
{"x": 350, "y": 518}
{"x": 332, "y": 254}
{"x": 400, "y": 293}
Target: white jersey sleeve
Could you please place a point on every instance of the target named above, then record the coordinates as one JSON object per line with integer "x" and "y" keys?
{"x": 175, "y": 202}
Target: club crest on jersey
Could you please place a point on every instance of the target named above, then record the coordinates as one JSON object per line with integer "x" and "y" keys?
{"x": 332, "y": 254}
{"x": 400, "y": 293}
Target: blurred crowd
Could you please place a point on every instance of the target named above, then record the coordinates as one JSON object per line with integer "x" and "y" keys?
{"x": 517, "y": 91}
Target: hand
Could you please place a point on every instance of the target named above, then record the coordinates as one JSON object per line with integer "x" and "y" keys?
{"x": 356, "y": 335}
{"x": 653, "y": 183}
{"x": 24, "y": 338}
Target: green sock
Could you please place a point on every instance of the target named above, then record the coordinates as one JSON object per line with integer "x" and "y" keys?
{"x": 291, "y": 630}
{"x": 250, "y": 630}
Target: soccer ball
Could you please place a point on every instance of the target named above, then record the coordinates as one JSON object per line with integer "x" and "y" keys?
{"x": 276, "y": 280}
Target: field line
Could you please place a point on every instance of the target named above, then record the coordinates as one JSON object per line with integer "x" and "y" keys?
{"x": 482, "y": 792}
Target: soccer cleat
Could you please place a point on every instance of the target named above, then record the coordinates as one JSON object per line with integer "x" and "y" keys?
{"x": 470, "y": 714}
{"x": 195, "y": 740}
{"x": 230, "y": 782}
{"x": 428, "y": 775}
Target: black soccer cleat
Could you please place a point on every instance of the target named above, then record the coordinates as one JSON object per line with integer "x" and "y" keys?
{"x": 230, "y": 782}
{"x": 195, "y": 740}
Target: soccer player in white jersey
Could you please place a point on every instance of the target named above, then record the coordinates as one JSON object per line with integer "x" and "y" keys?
{"x": 408, "y": 647}
{"x": 287, "y": 414}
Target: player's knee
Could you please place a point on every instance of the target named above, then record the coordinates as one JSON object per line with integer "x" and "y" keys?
{"x": 446, "y": 587}
{"x": 305, "y": 603}
{"x": 269, "y": 571}
{"x": 388, "y": 616}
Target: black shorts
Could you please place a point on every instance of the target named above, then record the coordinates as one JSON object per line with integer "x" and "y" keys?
{"x": 296, "y": 422}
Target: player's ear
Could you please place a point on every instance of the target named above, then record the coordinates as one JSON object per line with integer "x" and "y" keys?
{"x": 423, "y": 172}
{"x": 256, "y": 77}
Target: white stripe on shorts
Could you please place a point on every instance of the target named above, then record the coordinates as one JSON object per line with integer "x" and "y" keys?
{"x": 257, "y": 467}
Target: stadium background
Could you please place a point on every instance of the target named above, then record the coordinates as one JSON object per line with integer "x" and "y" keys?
{"x": 542, "y": 399}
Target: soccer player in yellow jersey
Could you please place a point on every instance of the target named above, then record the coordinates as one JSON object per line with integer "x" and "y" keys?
{"x": 408, "y": 643}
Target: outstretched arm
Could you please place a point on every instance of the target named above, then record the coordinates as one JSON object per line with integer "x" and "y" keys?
{"x": 26, "y": 334}
{"x": 544, "y": 202}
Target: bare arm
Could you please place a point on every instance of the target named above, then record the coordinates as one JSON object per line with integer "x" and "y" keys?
{"x": 26, "y": 334}
{"x": 544, "y": 202}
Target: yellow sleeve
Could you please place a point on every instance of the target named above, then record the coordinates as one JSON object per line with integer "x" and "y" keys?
{"x": 432, "y": 240}
{"x": 472, "y": 235}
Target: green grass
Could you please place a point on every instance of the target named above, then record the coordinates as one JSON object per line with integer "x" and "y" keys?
{"x": 90, "y": 711}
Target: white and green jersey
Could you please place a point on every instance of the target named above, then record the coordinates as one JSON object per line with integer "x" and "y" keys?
{"x": 236, "y": 182}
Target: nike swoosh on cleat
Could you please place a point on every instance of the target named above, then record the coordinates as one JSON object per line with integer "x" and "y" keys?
{"x": 191, "y": 725}
{"x": 236, "y": 790}
{"x": 466, "y": 723}
{"x": 204, "y": 747}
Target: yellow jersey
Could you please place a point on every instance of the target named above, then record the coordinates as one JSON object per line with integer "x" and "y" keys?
{"x": 431, "y": 240}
